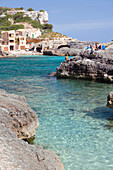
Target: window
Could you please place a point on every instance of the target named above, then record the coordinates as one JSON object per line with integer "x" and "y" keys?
{"x": 11, "y": 41}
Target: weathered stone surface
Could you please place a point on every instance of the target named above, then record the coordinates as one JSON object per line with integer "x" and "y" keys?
{"x": 16, "y": 114}
{"x": 18, "y": 120}
{"x": 89, "y": 65}
{"x": 73, "y": 48}
{"x": 16, "y": 154}
{"x": 110, "y": 100}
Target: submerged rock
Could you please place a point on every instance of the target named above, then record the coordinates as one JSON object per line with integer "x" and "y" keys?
{"x": 110, "y": 100}
{"x": 88, "y": 65}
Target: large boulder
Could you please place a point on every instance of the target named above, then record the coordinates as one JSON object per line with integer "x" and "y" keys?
{"x": 88, "y": 65}
{"x": 16, "y": 114}
{"x": 16, "y": 154}
{"x": 110, "y": 100}
{"x": 18, "y": 120}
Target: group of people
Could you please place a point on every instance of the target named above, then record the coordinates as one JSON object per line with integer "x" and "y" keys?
{"x": 96, "y": 47}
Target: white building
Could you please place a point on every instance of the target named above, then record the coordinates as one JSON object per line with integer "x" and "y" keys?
{"x": 34, "y": 33}
{"x": 30, "y": 33}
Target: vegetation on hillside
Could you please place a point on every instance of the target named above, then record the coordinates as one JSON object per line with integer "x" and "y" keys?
{"x": 47, "y": 26}
{"x": 4, "y": 9}
{"x": 19, "y": 17}
{"x": 41, "y": 10}
{"x": 36, "y": 24}
{"x": 21, "y": 8}
{"x": 12, "y": 27}
{"x": 30, "y": 9}
{"x": 51, "y": 35}
{"x": 5, "y": 24}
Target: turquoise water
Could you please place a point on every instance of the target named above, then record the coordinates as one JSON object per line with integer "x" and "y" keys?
{"x": 72, "y": 113}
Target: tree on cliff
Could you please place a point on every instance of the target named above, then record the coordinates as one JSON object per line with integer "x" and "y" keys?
{"x": 47, "y": 26}
{"x": 30, "y": 9}
{"x": 41, "y": 10}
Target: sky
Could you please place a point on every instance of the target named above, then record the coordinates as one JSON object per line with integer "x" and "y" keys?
{"x": 85, "y": 20}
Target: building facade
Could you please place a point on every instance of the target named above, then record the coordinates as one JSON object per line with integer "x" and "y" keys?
{"x": 8, "y": 41}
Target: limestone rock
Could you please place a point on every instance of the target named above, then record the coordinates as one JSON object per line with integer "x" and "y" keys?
{"x": 88, "y": 65}
{"x": 18, "y": 120}
{"x": 16, "y": 154}
{"x": 16, "y": 114}
{"x": 73, "y": 48}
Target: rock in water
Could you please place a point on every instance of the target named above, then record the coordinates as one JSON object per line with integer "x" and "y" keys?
{"x": 110, "y": 100}
{"x": 16, "y": 114}
{"x": 18, "y": 120}
{"x": 88, "y": 65}
{"x": 16, "y": 154}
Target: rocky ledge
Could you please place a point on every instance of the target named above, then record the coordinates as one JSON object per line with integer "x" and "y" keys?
{"x": 18, "y": 120}
{"x": 89, "y": 65}
{"x": 16, "y": 114}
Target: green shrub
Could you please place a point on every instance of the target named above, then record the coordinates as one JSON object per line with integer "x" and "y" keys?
{"x": 9, "y": 16}
{"x": 36, "y": 24}
{"x": 18, "y": 17}
{"x": 4, "y": 9}
{"x": 30, "y": 9}
{"x": 47, "y": 31}
{"x": 21, "y": 8}
{"x": 41, "y": 10}
{"x": 4, "y": 21}
{"x": 12, "y": 27}
{"x": 47, "y": 26}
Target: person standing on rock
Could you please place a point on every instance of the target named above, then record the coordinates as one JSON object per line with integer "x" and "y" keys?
{"x": 96, "y": 46}
{"x": 91, "y": 48}
{"x": 67, "y": 57}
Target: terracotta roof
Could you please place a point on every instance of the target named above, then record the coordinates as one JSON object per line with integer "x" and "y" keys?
{"x": 34, "y": 40}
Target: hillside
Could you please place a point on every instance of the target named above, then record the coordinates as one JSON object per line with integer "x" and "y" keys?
{"x": 21, "y": 19}
{"x": 52, "y": 35}
{"x": 18, "y": 18}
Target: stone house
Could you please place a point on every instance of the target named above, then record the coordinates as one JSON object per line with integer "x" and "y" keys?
{"x": 8, "y": 41}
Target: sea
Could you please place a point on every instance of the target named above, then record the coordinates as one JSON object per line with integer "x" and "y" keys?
{"x": 72, "y": 114}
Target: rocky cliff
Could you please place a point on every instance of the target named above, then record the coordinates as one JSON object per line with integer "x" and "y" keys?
{"x": 64, "y": 47}
{"x": 89, "y": 65}
{"x": 18, "y": 120}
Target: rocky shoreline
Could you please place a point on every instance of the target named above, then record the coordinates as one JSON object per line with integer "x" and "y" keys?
{"x": 88, "y": 65}
{"x": 18, "y": 121}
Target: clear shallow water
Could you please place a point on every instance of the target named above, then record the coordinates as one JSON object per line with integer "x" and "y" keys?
{"x": 72, "y": 113}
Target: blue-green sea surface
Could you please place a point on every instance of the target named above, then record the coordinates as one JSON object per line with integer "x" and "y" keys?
{"x": 72, "y": 113}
